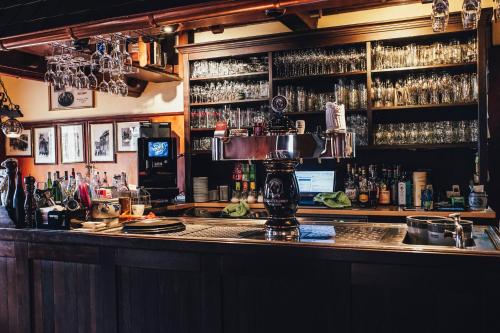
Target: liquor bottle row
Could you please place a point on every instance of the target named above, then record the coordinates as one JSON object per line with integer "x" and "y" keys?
{"x": 373, "y": 185}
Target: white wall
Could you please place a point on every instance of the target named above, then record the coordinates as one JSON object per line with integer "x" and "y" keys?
{"x": 33, "y": 97}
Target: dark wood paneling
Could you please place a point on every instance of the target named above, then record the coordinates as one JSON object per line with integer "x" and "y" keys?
{"x": 180, "y": 261}
{"x": 389, "y": 298}
{"x": 66, "y": 297}
{"x": 262, "y": 295}
{"x": 84, "y": 254}
{"x": 154, "y": 300}
{"x": 14, "y": 289}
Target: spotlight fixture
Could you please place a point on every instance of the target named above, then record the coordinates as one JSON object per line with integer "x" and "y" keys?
{"x": 170, "y": 29}
{"x": 275, "y": 12}
{"x": 12, "y": 128}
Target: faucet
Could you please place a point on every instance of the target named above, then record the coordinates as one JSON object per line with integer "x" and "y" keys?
{"x": 459, "y": 234}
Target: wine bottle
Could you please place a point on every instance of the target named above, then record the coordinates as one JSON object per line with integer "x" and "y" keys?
{"x": 19, "y": 201}
{"x": 30, "y": 202}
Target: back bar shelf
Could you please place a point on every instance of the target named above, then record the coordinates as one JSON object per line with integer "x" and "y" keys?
{"x": 361, "y": 40}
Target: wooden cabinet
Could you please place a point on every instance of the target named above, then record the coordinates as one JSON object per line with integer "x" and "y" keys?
{"x": 14, "y": 288}
{"x": 265, "y": 295}
{"x": 396, "y": 298}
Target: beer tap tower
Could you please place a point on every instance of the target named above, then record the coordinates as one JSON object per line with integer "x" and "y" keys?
{"x": 280, "y": 150}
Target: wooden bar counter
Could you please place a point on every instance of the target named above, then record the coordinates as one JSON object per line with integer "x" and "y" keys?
{"x": 108, "y": 281}
{"x": 379, "y": 214}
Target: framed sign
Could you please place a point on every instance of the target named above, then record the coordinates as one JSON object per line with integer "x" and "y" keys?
{"x": 45, "y": 145}
{"x": 72, "y": 143}
{"x": 21, "y": 146}
{"x": 101, "y": 142}
{"x": 127, "y": 134}
{"x": 70, "y": 99}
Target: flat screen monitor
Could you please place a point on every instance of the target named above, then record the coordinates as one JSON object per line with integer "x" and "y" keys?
{"x": 315, "y": 181}
{"x": 157, "y": 149}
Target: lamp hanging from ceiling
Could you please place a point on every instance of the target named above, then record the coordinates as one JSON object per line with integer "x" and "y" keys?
{"x": 471, "y": 12}
{"x": 440, "y": 15}
{"x": 496, "y": 10}
{"x": 11, "y": 127}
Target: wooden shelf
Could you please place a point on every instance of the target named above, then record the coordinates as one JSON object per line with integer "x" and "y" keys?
{"x": 201, "y": 152}
{"x": 424, "y": 68}
{"x": 154, "y": 74}
{"x": 244, "y": 101}
{"x": 319, "y": 76}
{"x": 244, "y": 76}
{"x": 420, "y": 146}
{"x": 424, "y": 107}
{"x": 316, "y": 113}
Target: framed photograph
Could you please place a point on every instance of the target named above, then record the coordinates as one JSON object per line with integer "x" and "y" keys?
{"x": 45, "y": 145}
{"x": 71, "y": 99}
{"x": 19, "y": 146}
{"x": 126, "y": 136}
{"x": 72, "y": 143}
{"x": 102, "y": 145}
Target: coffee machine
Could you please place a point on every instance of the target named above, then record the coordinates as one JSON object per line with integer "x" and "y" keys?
{"x": 157, "y": 162}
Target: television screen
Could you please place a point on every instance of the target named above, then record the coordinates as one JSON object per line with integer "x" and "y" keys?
{"x": 158, "y": 149}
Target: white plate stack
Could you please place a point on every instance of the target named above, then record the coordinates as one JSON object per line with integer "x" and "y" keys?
{"x": 200, "y": 189}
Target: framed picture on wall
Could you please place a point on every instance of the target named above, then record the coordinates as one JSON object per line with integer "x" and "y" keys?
{"x": 127, "y": 134}
{"x": 72, "y": 143}
{"x": 21, "y": 146}
{"x": 101, "y": 142}
{"x": 45, "y": 145}
{"x": 71, "y": 99}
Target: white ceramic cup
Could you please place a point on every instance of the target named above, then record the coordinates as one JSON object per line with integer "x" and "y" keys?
{"x": 137, "y": 210}
{"x": 301, "y": 126}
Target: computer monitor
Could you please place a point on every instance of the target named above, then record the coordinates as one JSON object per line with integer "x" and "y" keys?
{"x": 311, "y": 182}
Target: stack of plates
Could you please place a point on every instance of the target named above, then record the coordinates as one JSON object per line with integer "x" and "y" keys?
{"x": 200, "y": 189}
{"x": 154, "y": 226}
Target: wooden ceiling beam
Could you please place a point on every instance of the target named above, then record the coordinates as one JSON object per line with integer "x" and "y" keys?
{"x": 299, "y": 21}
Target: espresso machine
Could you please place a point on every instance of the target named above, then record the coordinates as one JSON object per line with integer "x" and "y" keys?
{"x": 157, "y": 162}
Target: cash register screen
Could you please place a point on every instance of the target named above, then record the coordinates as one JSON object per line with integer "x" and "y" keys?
{"x": 315, "y": 181}
{"x": 158, "y": 149}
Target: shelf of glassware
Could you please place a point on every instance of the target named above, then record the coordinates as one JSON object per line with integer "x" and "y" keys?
{"x": 242, "y": 101}
{"x": 425, "y": 106}
{"x": 242, "y": 76}
{"x": 320, "y": 76}
{"x": 154, "y": 74}
{"x": 419, "y": 146}
{"x": 319, "y": 113}
{"x": 460, "y": 66}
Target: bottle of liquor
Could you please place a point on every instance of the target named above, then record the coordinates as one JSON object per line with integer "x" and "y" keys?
{"x": 19, "y": 199}
{"x": 30, "y": 202}
{"x": 48, "y": 183}
{"x": 73, "y": 174}
{"x": 104, "y": 182}
{"x": 364, "y": 195}
{"x": 394, "y": 185}
{"x": 350, "y": 188}
{"x": 56, "y": 191}
{"x": 373, "y": 186}
{"x": 428, "y": 197}
{"x": 384, "y": 191}
{"x": 402, "y": 189}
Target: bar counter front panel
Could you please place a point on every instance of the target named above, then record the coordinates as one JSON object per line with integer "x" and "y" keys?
{"x": 68, "y": 281}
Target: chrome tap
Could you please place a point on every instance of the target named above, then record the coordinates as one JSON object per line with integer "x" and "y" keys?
{"x": 459, "y": 234}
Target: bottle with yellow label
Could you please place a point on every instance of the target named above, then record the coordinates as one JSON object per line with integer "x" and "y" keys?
{"x": 364, "y": 194}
